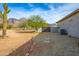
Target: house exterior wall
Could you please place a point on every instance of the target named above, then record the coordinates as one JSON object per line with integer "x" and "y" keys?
{"x": 71, "y": 24}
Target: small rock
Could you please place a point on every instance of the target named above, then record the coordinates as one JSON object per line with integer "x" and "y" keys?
{"x": 27, "y": 54}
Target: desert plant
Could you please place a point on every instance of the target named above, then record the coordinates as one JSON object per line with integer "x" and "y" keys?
{"x": 3, "y": 15}
{"x": 9, "y": 26}
{"x": 37, "y": 22}
{"x": 23, "y": 25}
{"x": 1, "y": 26}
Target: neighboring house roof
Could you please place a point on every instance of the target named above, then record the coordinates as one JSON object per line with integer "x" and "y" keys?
{"x": 71, "y": 14}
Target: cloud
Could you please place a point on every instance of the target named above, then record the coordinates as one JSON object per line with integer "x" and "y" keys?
{"x": 51, "y": 15}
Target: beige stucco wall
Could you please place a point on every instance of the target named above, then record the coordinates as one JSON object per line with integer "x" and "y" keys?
{"x": 71, "y": 24}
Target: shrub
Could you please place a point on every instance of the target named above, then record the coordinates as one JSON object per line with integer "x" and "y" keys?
{"x": 9, "y": 26}
{"x": 1, "y": 26}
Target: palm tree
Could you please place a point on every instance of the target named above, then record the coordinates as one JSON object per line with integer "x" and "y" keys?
{"x": 3, "y": 15}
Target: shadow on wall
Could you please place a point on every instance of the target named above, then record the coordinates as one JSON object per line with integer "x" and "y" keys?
{"x": 31, "y": 47}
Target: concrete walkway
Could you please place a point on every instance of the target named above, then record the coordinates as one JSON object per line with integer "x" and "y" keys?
{"x": 52, "y": 44}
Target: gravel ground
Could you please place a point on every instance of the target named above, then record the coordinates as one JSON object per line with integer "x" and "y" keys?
{"x": 45, "y": 44}
{"x": 53, "y": 44}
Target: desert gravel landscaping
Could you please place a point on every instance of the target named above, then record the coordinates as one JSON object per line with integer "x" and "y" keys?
{"x": 13, "y": 41}
{"x": 45, "y": 44}
{"x": 54, "y": 44}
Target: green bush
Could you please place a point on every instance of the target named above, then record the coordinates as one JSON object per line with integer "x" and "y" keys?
{"x": 1, "y": 26}
{"x": 36, "y": 22}
{"x": 9, "y": 26}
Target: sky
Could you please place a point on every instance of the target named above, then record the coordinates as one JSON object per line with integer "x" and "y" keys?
{"x": 51, "y": 12}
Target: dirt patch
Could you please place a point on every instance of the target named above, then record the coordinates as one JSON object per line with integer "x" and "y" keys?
{"x": 14, "y": 41}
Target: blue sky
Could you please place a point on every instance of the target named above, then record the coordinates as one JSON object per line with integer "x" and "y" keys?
{"x": 51, "y": 12}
